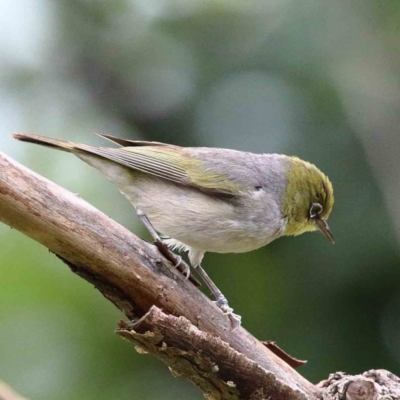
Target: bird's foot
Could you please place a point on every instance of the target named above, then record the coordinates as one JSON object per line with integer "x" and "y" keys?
{"x": 182, "y": 266}
{"x": 222, "y": 303}
{"x": 177, "y": 261}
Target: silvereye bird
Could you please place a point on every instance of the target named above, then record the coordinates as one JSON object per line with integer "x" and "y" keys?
{"x": 208, "y": 199}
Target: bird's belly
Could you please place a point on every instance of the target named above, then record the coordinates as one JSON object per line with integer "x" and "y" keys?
{"x": 210, "y": 233}
{"x": 200, "y": 221}
{"x": 214, "y": 238}
{"x": 231, "y": 244}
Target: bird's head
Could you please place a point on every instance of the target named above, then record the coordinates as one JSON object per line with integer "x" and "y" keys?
{"x": 308, "y": 199}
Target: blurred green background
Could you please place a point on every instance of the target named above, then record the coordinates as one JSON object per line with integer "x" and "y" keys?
{"x": 317, "y": 79}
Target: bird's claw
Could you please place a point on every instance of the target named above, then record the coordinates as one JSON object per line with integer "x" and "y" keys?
{"x": 236, "y": 320}
{"x": 172, "y": 257}
{"x": 186, "y": 268}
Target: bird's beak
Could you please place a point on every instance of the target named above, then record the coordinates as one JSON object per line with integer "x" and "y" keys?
{"x": 324, "y": 228}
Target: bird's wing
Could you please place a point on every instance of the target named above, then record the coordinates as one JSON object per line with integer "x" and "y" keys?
{"x": 172, "y": 163}
{"x": 133, "y": 143}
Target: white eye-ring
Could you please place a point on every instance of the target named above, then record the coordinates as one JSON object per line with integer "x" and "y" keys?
{"x": 315, "y": 210}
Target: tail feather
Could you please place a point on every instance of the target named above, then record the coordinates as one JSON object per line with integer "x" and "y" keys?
{"x": 45, "y": 141}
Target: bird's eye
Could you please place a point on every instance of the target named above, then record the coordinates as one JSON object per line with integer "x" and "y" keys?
{"x": 315, "y": 210}
{"x": 258, "y": 187}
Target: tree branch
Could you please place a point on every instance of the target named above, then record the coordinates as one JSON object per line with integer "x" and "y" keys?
{"x": 212, "y": 364}
{"x": 172, "y": 319}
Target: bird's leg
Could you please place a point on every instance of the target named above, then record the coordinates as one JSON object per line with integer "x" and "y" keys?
{"x": 162, "y": 247}
{"x": 220, "y": 299}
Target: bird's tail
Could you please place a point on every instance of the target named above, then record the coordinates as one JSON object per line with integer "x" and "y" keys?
{"x": 45, "y": 141}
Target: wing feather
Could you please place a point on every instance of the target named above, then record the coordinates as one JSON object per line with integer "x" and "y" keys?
{"x": 128, "y": 143}
{"x": 172, "y": 163}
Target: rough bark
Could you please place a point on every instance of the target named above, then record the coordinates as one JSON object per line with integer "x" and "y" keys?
{"x": 172, "y": 318}
{"x": 219, "y": 370}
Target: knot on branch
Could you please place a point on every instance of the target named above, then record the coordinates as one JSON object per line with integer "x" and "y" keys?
{"x": 371, "y": 385}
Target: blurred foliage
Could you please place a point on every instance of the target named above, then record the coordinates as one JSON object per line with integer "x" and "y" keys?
{"x": 317, "y": 79}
